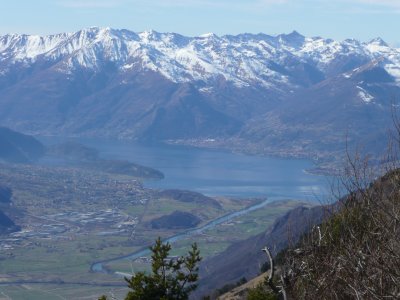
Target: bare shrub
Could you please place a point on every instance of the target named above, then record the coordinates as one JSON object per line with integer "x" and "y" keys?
{"x": 355, "y": 253}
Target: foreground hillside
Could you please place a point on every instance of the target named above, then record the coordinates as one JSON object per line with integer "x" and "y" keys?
{"x": 351, "y": 251}
{"x": 355, "y": 254}
{"x": 286, "y": 94}
{"x": 244, "y": 258}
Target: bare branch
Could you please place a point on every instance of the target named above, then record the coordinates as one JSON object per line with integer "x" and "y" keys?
{"x": 272, "y": 271}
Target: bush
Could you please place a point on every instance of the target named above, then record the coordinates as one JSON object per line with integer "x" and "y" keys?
{"x": 355, "y": 253}
{"x": 261, "y": 293}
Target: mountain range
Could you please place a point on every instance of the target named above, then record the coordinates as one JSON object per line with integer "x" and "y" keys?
{"x": 285, "y": 94}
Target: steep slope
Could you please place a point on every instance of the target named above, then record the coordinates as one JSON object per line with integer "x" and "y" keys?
{"x": 5, "y": 194}
{"x": 356, "y": 105}
{"x": 7, "y": 225}
{"x": 355, "y": 253}
{"x": 18, "y": 148}
{"x": 244, "y": 258}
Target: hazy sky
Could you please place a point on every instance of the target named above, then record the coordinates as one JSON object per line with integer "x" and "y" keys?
{"x": 338, "y": 19}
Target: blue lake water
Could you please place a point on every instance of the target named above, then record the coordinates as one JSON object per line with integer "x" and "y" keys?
{"x": 215, "y": 172}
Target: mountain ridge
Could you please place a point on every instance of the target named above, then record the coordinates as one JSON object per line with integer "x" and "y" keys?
{"x": 178, "y": 51}
{"x": 166, "y": 86}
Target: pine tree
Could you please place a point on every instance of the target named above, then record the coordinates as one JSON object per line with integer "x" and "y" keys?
{"x": 169, "y": 279}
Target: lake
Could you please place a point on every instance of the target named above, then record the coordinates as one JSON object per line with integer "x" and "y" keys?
{"x": 216, "y": 173}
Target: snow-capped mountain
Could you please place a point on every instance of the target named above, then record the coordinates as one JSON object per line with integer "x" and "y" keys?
{"x": 102, "y": 81}
{"x": 244, "y": 59}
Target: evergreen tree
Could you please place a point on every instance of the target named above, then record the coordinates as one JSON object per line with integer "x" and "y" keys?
{"x": 169, "y": 279}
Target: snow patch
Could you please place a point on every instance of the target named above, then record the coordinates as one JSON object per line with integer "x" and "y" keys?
{"x": 364, "y": 95}
{"x": 206, "y": 90}
{"x": 128, "y": 66}
{"x": 394, "y": 70}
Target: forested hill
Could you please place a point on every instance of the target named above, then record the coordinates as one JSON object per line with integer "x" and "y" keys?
{"x": 16, "y": 147}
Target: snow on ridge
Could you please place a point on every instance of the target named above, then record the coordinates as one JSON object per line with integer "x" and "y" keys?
{"x": 207, "y": 35}
{"x": 29, "y": 46}
{"x": 243, "y": 59}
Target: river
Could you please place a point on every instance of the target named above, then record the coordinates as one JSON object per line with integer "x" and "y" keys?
{"x": 98, "y": 266}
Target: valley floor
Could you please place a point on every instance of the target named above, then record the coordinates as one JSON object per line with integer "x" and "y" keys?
{"x": 71, "y": 218}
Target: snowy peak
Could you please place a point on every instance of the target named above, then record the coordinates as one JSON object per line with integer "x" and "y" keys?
{"x": 244, "y": 59}
{"x": 378, "y": 42}
{"x": 208, "y": 35}
{"x": 293, "y": 39}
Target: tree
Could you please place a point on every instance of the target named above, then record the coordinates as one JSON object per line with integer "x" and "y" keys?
{"x": 169, "y": 278}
